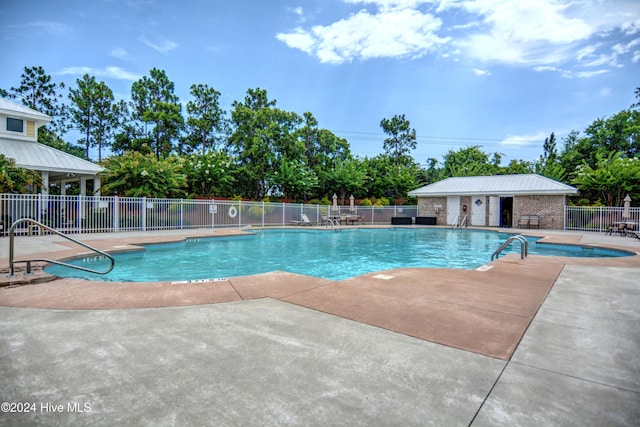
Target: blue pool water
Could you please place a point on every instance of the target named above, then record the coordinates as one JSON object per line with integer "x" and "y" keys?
{"x": 328, "y": 254}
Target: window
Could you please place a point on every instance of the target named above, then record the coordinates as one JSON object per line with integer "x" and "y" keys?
{"x": 15, "y": 125}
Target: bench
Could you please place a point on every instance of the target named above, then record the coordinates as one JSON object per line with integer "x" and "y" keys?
{"x": 401, "y": 220}
{"x": 529, "y": 221}
{"x": 426, "y": 220}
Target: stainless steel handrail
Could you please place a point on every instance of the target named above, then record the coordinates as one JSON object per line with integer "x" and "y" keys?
{"x": 524, "y": 246}
{"x": 455, "y": 222}
{"x": 52, "y": 261}
{"x": 459, "y": 223}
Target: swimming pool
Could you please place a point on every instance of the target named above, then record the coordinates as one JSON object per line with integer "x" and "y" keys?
{"x": 327, "y": 254}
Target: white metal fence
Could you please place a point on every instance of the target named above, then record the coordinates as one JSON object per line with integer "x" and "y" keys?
{"x": 598, "y": 218}
{"x": 82, "y": 214}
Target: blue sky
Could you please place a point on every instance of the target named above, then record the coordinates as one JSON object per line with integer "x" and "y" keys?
{"x": 502, "y": 74}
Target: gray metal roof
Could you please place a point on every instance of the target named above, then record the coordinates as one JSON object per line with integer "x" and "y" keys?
{"x": 524, "y": 184}
{"x": 40, "y": 157}
{"x": 11, "y": 108}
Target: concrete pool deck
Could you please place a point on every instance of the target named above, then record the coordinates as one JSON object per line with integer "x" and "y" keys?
{"x": 545, "y": 341}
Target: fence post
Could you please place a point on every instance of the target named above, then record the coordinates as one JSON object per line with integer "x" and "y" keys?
{"x": 116, "y": 213}
{"x": 39, "y": 209}
{"x": 213, "y": 210}
{"x": 143, "y": 212}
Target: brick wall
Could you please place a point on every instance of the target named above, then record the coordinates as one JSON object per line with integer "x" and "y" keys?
{"x": 550, "y": 209}
{"x": 427, "y": 206}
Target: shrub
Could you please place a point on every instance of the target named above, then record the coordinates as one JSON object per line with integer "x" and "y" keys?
{"x": 255, "y": 212}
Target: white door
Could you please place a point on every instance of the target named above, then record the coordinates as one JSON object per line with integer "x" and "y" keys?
{"x": 453, "y": 208}
{"x": 494, "y": 211}
{"x": 478, "y": 210}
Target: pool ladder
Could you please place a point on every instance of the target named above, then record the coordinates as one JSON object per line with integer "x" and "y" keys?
{"x": 35, "y": 223}
{"x": 524, "y": 246}
{"x": 459, "y": 222}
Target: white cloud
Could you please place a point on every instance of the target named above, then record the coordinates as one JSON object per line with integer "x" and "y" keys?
{"x": 605, "y": 91}
{"x": 107, "y": 72}
{"x": 163, "y": 46}
{"x": 592, "y": 35}
{"x": 590, "y": 73}
{"x": 392, "y": 32}
{"x": 547, "y": 32}
{"x": 298, "y": 39}
{"x": 119, "y": 53}
{"x": 524, "y": 140}
{"x": 479, "y": 72}
{"x": 522, "y": 32}
{"x": 51, "y": 27}
{"x": 386, "y": 5}
{"x": 570, "y": 74}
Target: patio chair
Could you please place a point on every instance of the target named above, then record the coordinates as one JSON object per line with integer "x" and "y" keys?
{"x": 534, "y": 221}
{"x": 617, "y": 228}
{"x": 304, "y": 220}
{"x": 523, "y": 221}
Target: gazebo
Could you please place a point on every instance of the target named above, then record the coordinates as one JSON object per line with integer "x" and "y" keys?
{"x": 19, "y": 141}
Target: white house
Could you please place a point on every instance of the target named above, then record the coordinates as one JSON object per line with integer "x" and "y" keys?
{"x": 496, "y": 201}
{"x": 19, "y": 141}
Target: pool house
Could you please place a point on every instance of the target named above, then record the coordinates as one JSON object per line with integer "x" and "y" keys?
{"x": 524, "y": 201}
{"x": 19, "y": 141}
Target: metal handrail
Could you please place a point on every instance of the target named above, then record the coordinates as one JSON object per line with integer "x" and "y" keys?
{"x": 52, "y": 261}
{"x": 524, "y": 246}
{"x": 459, "y": 223}
{"x": 454, "y": 224}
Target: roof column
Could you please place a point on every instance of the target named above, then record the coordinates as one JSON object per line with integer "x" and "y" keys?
{"x": 45, "y": 182}
{"x": 83, "y": 185}
{"x": 96, "y": 185}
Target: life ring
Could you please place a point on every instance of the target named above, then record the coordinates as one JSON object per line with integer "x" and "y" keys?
{"x": 233, "y": 212}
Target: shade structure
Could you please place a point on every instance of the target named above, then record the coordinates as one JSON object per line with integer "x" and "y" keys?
{"x": 335, "y": 202}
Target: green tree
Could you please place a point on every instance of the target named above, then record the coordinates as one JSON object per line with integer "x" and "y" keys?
{"x": 430, "y": 173}
{"x": 93, "y": 112}
{"x": 211, "y": 174}
{"x": 322, "y": 149}
{"x": 38, "y": 92}
{"x": 206, "y": 123}
{"x": 293, "y": 179}
{"x": 137, "y": 175}
{"x": 549, "y": 164}
{"x": 154, "y": 102}
{"x": 618, "y": 133}
{"x": 570, "y": 157}
{"x": 262, "y": 136}
{"x": 470, "y": 161}
{"x": 613, "y": 177}
{"x": 17, "y": 180}
{"x": 518, "y": 167}
{"x": 348, "y": 176}
{"x": 129, "y": 134}
{"x": 401, "y": 140}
